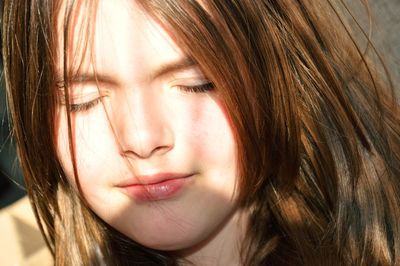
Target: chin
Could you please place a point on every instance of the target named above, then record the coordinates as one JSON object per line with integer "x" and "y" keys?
{"x": 169, "y": 239}
{"x": 168, "y": 244}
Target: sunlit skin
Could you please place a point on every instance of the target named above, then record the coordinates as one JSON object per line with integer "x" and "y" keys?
{"x": 152, "y": 112}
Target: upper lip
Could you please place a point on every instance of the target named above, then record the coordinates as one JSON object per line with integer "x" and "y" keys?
{"x": 151, "y": 179}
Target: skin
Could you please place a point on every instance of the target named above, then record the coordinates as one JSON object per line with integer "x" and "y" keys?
{"x": 139, "y": 121}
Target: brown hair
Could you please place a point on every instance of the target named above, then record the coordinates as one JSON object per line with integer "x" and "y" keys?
{"x": 317, "y": 129}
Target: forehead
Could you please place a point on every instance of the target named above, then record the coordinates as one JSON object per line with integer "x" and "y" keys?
{"x": 116, "y": 37}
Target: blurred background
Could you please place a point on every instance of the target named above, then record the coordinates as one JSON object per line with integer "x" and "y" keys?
{"x": 11, "y": 181}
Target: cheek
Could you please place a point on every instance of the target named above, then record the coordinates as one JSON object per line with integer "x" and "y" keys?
{"x": 93, "y": 146}
{"x": 212, "y": 134}
{"x": 62, "y": 143}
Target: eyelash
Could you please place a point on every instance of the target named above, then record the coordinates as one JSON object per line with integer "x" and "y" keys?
{"x": 198, "y": 88}
{"x": 82, "y": 107}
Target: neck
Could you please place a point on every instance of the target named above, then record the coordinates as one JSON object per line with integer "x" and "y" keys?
{"x": 223, "y": 247}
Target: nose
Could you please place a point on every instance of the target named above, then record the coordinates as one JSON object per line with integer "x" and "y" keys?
{"x": 142, "y": 128}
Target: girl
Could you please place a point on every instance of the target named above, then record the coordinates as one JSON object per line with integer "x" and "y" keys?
{"x": 213, "y": 132}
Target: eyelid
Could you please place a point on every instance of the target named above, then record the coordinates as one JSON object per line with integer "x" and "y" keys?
{"x": 83, "y": 98}
{"x": 85, "y": 106}
{"x": 191, "y": 81}
{"x": 82, "y": 91}
{"x": 201, "y": 88}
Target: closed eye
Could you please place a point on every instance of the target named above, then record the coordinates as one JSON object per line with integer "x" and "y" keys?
{"x": 198, "y": 88}
{"x": 85, "y": 106}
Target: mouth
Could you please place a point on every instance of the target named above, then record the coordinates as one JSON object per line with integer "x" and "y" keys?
{"x": 156, "y": 187}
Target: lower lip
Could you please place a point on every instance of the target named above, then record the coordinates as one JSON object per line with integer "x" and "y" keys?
{"x": 158, "y": 191}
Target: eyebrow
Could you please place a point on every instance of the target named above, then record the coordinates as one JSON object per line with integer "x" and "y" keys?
{"x": 162, "y": 70}
{"x": 95, "y": 78}
{"x": 174, "y": 66}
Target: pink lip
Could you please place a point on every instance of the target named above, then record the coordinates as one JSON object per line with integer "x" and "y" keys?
{"x": 155, "y": 187}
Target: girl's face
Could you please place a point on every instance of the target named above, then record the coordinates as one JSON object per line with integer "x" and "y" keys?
{"x": 155, "y": 154}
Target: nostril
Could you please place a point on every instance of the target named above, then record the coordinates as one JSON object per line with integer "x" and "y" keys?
{"x": 162, "y": 149}
{"x": 146, "y": 147}
{"x": 145, "y": 154}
